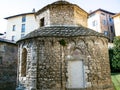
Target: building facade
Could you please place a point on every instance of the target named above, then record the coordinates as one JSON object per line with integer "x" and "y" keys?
{"x": 8, "y": 65}
{"x": 20, "y": 25}
{"x": 63, "y": 54}
{"x": 117, "y": 24}
{"x": 101, "y": 21}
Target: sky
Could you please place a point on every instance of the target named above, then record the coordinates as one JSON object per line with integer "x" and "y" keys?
{"x": 14, "y": 7}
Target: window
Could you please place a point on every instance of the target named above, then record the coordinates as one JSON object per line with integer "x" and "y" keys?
{"x": 106, "y": 33}
{"x": 14, "y": 26}
{"x": 110, "y": 19}
{"x": 24, "y": 62}
{"x": 22, "y": 35}
{"x": 102, "y": 14}
{"x": 23, "y": 18}
{"x": 23, "y": 28}
{"x": 42, "y": 22}
{"x": 94, "y": 23}
{"x": 13, "y": 38}
{"x": 111, "y": 29}
{"x": 104, "y": 22}
{"x": 1, "y": 60}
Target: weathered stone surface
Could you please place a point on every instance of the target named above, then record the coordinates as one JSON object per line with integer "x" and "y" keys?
{"x": 62, "y": 13}
{"x": 8, "y": 65}
{"x": 48, "y": 68}
{"x": 54, "y": 52}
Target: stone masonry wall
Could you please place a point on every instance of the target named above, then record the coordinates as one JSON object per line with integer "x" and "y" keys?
{"x": 29, "y": 81}
{"x": 48, "y": 59}
{"x": 94, "y": 53}
{"x": 51, "y": 66}
{"x": 68, "y": 15}
{"x": 8, "y": 66}
{"x": 80, "y": 17}
{"x": 46, "y": 15}
{"x": 63, "y": 15}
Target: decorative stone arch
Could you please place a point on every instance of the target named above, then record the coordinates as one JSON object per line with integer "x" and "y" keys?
{"x": 82, "y": 46}
{"x": 102, "y": 41}
{"x": 90, "y": 42}
{"x": 81, "y": 43}
{"x": 76, "y": 70}
{"x": 23, "y": 62}
{"x": 71, "y": 46}
{"x": 99, "y": 44}
{"x": 99, "y": 41}
{"x": 106, "y": 42}
{"x": 90, "y": 45}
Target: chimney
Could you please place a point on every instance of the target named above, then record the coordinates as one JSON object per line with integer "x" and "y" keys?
{"x": 33, "y": 10}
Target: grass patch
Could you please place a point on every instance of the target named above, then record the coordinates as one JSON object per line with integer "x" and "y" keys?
{"x": 116, "y": 80}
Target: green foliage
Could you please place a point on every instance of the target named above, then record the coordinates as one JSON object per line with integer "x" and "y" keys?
{"x": 62, "y": 42}
{"x": 116, "y": 55}
{"x": 111, "y": 57}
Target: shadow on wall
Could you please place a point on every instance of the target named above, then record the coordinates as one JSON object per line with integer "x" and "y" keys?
{"x": 8, "y": 76}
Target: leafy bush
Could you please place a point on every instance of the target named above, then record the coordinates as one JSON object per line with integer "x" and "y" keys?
{"x": 115, "y": 62}
{"x": 110, "y": 58}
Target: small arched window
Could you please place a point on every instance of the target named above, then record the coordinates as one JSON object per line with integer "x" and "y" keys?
{"x": 24, "y": 62}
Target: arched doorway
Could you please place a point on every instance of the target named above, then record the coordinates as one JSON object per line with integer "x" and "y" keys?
{"x": 76, "y": 76}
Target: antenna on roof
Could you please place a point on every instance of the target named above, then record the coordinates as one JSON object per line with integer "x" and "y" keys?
{"x": 90, "y": 11}
{"x": 33, "y": 10}
{"x": 61, "y": 0}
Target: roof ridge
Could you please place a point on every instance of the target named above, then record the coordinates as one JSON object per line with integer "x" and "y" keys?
{"x": 61, "y": 2}
{"x": 101, "y": 10}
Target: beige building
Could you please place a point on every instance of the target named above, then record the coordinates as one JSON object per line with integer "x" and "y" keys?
{"x": 101, "y": 21}
{"x": 20, "y": 25}
{"x": 117, "y": 24}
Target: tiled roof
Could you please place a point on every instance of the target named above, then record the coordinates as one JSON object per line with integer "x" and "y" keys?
{"x": 62, "y": 31}
{"x": 118, "y": 14}
{"x": 1, "y": 33}
{"x": 102, "y": 11}
{"x": 6, "y": 41}
{"x": 19, "y": 15}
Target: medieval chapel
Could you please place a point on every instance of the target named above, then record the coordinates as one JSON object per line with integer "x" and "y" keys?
{"x": 63, "y": 54}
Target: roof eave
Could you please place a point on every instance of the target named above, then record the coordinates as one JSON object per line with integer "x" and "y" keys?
{"x": 116, "y": 15}
{"x": 19, "y": 15}
{"x": 101, "y": 10}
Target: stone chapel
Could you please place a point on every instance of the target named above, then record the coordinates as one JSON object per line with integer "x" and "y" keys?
{"x": 63, "y": 54}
